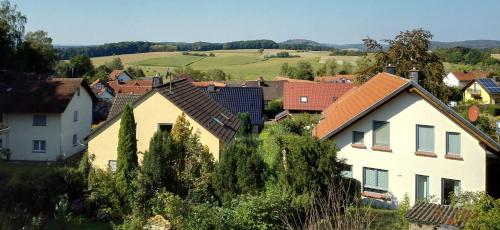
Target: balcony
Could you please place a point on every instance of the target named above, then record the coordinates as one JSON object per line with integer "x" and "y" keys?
{"x": 4, "y": 128}
{"x": 474, "y": 92}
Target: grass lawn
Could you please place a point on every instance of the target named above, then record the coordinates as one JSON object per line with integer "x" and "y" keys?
{"x": 240, "y": 64}
{"x": 7, "y": 169}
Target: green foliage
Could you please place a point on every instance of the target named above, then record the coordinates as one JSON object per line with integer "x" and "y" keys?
{"x": 240, "y": 170}
{"x": 328, "y": 69}
{"x": 246, "y": 124}
{"x": 274, "y": 107}
{"x": 62, "y": 212}
{"x": 5, "y": 154}
{"x": 217, "y": 75}
{"x": 115, "y": 64}
{"x": 403, "y": 208}
{"x": 303, "y": 70}
{"x": 104, "y": 198}
{"x": 126, "y": 163}
{"x": 408, "y": 50}
{"x": 80, "y": 66}
{"x": 136, "y": 72}
{"x": 462, "y": 55}
{"x": 484, "y": 209}
{"x": 210, "y": 75}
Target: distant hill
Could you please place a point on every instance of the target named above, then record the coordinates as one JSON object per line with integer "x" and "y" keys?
{"x": 474, "y": 44}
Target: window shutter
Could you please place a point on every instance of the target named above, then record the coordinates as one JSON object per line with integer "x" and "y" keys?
{"x": 383, "y": 180}
{"x": 370, "y": 178}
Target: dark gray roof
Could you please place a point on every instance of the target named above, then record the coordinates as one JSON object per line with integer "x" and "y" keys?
{"x": 240, "y": 100}
{"x": 271, "y": 89}
{"x": 120, "y": 101}
{"x": 196, "y": 104}
{"x": 436, "y": 214}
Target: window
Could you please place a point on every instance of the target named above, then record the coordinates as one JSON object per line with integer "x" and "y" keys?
{"x": 381, "y": 133}
{"x": 425, "y": 138}
{"x": 39, "y": 146}
{"x": 358, "y": 137}
{"x": 346, "y": 171}
{"x": 75, "y": 116}
{"x": 75, "y": 140}
{"x": 39, "y": 120}
{"x": 375, "y": 180}
{"x": 453, "y": 143}
{"x": 165, "y": 127}
{"x": 421, "y": 187}
{"x": 448, "y": 187}
{"x": 303, "y": 99}
{"x": 98, "y": 86}
{"x": 112, "y": 165}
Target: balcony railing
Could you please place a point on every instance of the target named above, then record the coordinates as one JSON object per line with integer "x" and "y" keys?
{"x": 474, "y": 92}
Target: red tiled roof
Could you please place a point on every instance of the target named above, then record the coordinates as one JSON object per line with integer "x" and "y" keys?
{"x": 335, "y": 78}
{"x": 319, "y": 95}
{"x": 357, "y": 101}
{"x": 132, "y": 86}
{"x": 471, "y": 75}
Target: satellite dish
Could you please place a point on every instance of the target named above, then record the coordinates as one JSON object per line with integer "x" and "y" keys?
{"x": 473, "y": 113}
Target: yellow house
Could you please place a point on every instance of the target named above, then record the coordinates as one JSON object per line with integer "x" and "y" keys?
{"x": 483, "y": 90}
{"x": 158, "y": 110}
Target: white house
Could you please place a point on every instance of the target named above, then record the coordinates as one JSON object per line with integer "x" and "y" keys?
{"x": 43, "y": 119}
{"x": 460, "y": 79}
{"x": 397, "y": 138}
{"x": 120, "y": 76}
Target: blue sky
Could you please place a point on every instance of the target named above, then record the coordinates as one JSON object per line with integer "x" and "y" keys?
{"x": 71, "y": 22}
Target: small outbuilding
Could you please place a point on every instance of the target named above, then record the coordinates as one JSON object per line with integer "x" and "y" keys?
{"x": 430, "y": 216}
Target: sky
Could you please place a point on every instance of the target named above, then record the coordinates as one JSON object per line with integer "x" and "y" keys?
{"x": 90, "y": 22}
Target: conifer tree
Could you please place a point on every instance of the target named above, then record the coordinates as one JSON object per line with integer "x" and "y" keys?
{"x": 126, "y": 164}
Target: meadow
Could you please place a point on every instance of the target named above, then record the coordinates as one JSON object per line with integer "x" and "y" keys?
{"x": 240, "y": 64}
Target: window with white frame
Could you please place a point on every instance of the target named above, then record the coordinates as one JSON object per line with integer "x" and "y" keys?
{"x": 39, "y": 146}
{"x": 75, "y": 116}
{"x": 452, "y": 143}
{"x": 421, "y": 187}
{"x": 375, "y": 180}
{"x": 381, "y": 133}
{"x": 39, "y": 120}
{"x": 425, "y": 138}
{"x": 303, "y": 99}
{"x": 112, "y": 165}
{"x": 75, "y": 140}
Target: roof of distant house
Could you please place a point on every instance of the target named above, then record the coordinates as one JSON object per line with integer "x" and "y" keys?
{"x": 436, "y": 214}
{"x": 132, "y": 86}
{"x": 192, "y": 101}
{"x": 489, "y": 85}
{"x": 336, "y": 78}
{"x": 471, "y": 75}
{"x": 240, "y": 100}
{"x": 271, "y": 89}
{"x": 99, "y": 87}
{"x": 24, "y": 93}
{"x": 120, "y": 101}
{"x": 117, "y": 72}
{"x": 358, "y": 102}
{"x": 280, "y": 78}
{"x": 207, "y": 83}
{"x": 318, "y": 96}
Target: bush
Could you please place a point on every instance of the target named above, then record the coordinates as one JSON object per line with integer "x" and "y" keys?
{"x": 103, "y": 200}
{"x": 5, "y": 154}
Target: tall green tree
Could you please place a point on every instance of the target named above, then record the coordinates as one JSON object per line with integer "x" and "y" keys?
{"x": 36, "y": 53}
{"x": 157, "y": 165}
{"x": 14, "y": 20}
{"x": 126, "y": 164}
{"x": 246, "y": 124}
{"x": 328, "y": 69}
{"x": 408, "y": 50}
{"x": 81, "y": 65}
{"x": 115, "y": 64}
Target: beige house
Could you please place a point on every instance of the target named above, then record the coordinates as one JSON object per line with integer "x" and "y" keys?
{"x": 158, "y": 110}
{"x": 43, "y": 119}
{"x": 396, "y": 139}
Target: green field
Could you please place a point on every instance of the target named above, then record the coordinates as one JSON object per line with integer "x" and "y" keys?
{"x": 240, "y": 64}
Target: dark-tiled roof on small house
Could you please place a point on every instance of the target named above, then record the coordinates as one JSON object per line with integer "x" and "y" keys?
{"x": 437, "y": 215}
{"x": 271, "y": 89}
{"x": 239, "y": 100}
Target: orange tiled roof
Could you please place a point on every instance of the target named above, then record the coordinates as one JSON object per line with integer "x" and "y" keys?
{"x": 337, "y": 77}
{"x": 133, "y": 86}
{"x": 114, "y": 74}
{"x": 471, "y": 75}
{"x": 319, "y": 95}
{"x": 279, "y": 78}
{"x": 207, "y": 83}
{"x": 357, "y": 101}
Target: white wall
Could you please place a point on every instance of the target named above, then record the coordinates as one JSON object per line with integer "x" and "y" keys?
{"x": 82, "y": 127}
{"x": 22, "y": 133}
{"x": 451, "y": 80}
{"x": 404, "y": 112}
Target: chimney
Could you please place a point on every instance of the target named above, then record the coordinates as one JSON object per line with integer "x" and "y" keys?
{"x": 211, "y": 88}
{"x": 260, "y": 81}
{"x": 414, "y": 75}
{"x": 157, "y": 81}
{"x": 390, "y": 69}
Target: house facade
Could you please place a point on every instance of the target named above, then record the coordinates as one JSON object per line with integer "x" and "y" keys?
{"x": 460, "y": 79}
{"x": 397, "y": 139}
{"x": 483, "y": 91}
{"x": 158, "y": 110}
{"x": 120, "y": 76}
{"x": 41, "y": 120}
